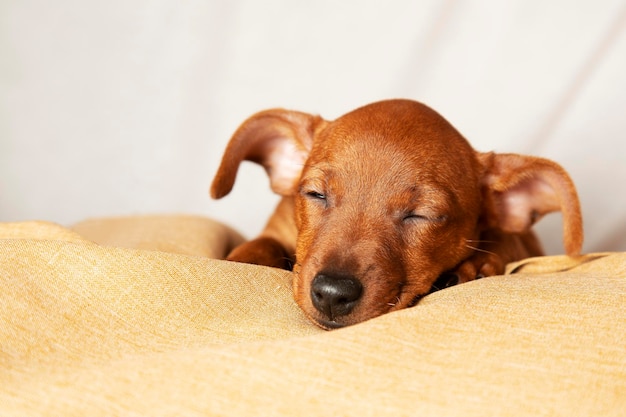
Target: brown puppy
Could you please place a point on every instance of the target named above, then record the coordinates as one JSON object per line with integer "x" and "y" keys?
{"x": 384, "y": 201}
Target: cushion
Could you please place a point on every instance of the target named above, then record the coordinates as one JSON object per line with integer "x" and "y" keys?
{"x": 136, "y": 316}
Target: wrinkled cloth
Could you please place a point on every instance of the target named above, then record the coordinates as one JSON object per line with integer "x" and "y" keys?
{"x": 137, "y": 316}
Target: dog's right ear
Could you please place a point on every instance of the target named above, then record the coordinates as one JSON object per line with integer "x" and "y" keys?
{"x": 279, "y": 140}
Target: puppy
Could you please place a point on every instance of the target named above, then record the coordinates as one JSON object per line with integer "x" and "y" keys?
{"x": 388, "y": 202}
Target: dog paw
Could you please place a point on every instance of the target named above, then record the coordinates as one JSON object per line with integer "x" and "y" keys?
{"x": 262, "y": 251}
{"x": 479, "y": 265}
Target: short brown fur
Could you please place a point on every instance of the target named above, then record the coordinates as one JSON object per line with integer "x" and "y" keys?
{"x": 387, "y": 199}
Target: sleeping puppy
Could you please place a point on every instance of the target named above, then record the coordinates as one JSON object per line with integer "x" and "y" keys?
{"x": 388, "y": 201}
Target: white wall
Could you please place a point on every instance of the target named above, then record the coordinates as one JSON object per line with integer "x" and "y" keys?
{"x": 124, "y": 107}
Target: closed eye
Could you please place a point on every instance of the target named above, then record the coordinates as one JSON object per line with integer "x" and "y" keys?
{"x": 315, "y": 195}
{"x": 417, "y": 217}
{"x": 414, "y": 217}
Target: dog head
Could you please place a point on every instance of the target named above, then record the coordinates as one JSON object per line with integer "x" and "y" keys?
{"x": 387, "y": 198}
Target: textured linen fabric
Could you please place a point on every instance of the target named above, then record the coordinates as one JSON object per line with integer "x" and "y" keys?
{"x": 94, "y": 326}
{"x": 187, "y": 235}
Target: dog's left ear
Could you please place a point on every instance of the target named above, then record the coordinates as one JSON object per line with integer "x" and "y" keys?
{"x": 518, "y": 190}
{"x": 279, "y": 140}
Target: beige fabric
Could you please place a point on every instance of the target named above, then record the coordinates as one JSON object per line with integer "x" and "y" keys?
{"x": 187, "y": 235}
{"x": 88, "y": 329}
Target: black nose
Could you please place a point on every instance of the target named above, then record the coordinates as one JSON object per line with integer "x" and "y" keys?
{"x": 335, "y": 296}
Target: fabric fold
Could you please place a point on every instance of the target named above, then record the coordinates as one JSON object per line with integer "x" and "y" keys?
{"x": 110, "y": 329}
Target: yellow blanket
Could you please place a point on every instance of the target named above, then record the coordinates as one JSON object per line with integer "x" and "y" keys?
{"x": 131, "y": 316}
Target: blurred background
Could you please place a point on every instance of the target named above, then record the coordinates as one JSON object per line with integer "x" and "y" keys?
{"x": 125, "y": 107}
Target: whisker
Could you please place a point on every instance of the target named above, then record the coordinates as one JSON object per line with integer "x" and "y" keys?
{"x": 480, "y": 241}
{"x": 289, "y": 261}
{"x": 434, "y": 288}
{"x": 393, "y": 304}
{"x": 479, "y": 249}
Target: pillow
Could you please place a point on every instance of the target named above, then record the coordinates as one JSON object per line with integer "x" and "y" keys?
{"x": 135, "y": 319}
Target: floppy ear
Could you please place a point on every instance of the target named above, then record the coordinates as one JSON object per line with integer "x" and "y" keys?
{"x": 277, "y": 139}
{"x": 520, "y": 189}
